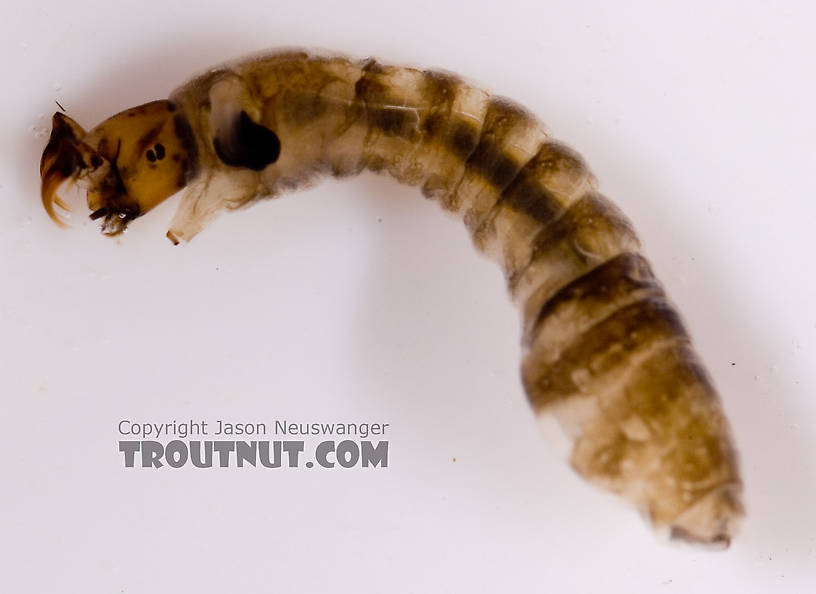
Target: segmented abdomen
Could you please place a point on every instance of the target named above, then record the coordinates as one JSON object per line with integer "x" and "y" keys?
{"x": 604, "y": 351}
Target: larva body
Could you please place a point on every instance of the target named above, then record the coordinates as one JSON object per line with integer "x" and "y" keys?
{"x": 605, "y": 353}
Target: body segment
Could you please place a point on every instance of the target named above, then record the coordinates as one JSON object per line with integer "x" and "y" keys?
{"x": 604, "y": 350}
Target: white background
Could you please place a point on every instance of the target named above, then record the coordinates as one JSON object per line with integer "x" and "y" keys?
{"x": 361, "y": 301}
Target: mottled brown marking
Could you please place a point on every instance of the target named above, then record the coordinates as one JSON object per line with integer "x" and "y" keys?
{"x": 555, "y": 156}
{"x": 529, "y": 196}
{"x": 303, "y": 108}
{"x": 489, "y": 159}
{"x": 369, "y": 88}
{"x": 439, "y": 90}
{"x": 615, "y": 278}
{"x": 433, "y": 124}
{"x": 607, "y": 344}
{"x": 493, "y": 165}
{"x": 440, "y": 87}
{"x": 385, "y": 112}
{"x": 660, "y": 381}
{"x": 391, "y": 120}
{"x": 463, "y": 139}
{"x": 592, "y": 214}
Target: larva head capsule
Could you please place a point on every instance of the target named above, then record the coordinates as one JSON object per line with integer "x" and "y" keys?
{"x": 127, "y": 164}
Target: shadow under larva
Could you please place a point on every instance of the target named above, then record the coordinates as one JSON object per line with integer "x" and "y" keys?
{"x": 604, "y": 351}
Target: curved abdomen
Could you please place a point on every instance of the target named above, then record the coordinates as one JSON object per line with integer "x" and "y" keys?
{"x": 604, "y": 350}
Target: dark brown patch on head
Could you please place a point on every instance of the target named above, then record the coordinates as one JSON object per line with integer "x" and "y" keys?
{"x": 188, "y": 142}
{"x": 105, "y": 149}
{"x": 185, "y": 176}
{"x": 149, "y": 137}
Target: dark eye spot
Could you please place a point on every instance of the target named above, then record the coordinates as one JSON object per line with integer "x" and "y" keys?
{"x": 159, "y": 151}
{"x": 151, "y": 156}
{"x": 96, "y": 160}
